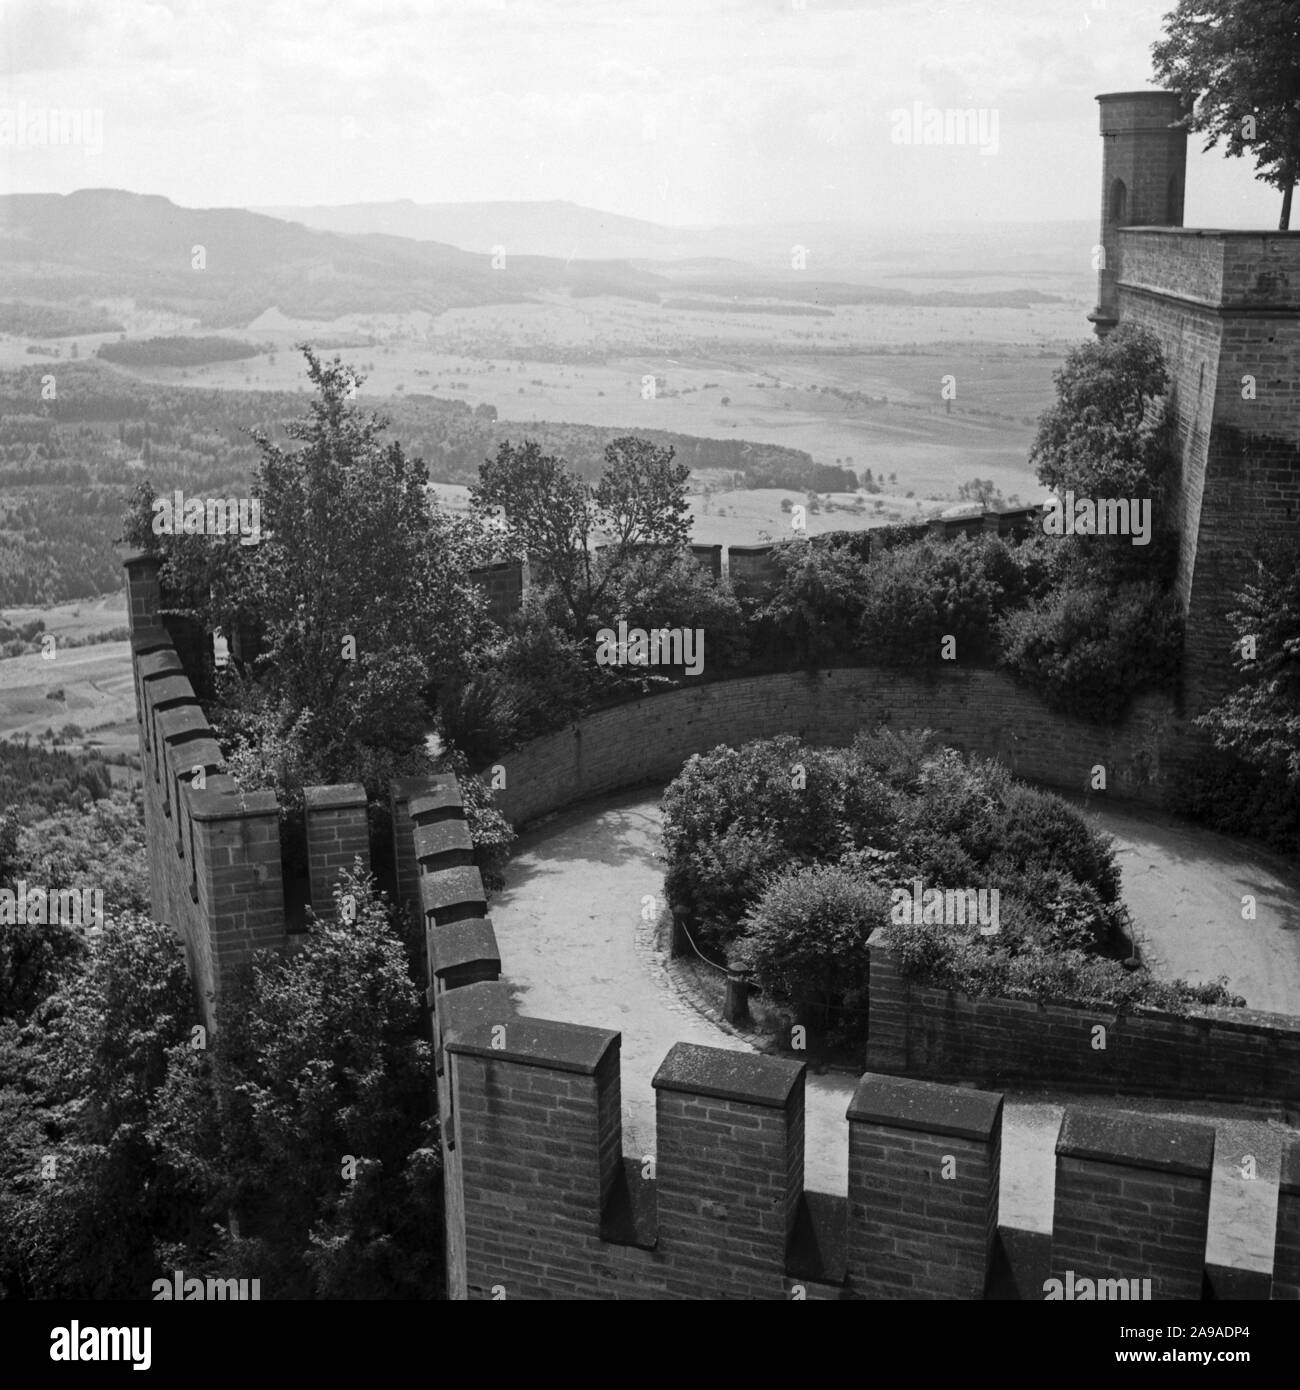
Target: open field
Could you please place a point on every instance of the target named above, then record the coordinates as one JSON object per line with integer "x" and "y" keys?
{"x": 861, "y": 386}
{"x": 88, "y": 686}
{"x": 82, "y": 619}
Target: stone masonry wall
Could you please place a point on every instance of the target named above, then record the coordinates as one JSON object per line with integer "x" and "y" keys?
{"x": 1210, "y": 1054}
{"x": 542, "y": 1203}
{"x": 215, "y": 871}
{"x": 983, "y": 711}
{"x": 1226, "y": 309}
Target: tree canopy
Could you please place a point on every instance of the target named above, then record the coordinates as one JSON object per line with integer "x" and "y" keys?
{"x": 551, "y": 515}
{"x": 1260, "y": 720}
{"x": 1240, "y": 61}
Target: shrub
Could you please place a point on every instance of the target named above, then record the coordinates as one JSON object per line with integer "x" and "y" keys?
{"x": 916, "y": 595}
{"x": 892, "y": 809}
{"x": 675, "y": 591}
{"x": 1037, "y": 827}
{"x": 491, "y": 833}
{"x": 1259, "y": 721}
{"x": 806, "y": 940}
{"x": 526, "y": 683}
{"x": 717, "y": 882}
{"x": 1225, "y": 792}
{"x": 731, "y": 814}
{"x": 814, "y": 612}
{"x": 1088, "y": 650}
{"x": 982, "y": 967}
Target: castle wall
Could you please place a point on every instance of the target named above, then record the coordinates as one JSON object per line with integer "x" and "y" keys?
{"x": 215, "y": 870}
{"x": 542, "y": 1203}
{"x": 1209, "y": 1054}
{"x": 1226, "y": 309}
{"x": 983, "y": 711}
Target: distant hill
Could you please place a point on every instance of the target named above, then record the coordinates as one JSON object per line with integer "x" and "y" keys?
{"x": 226, "y": 267}
{"x": 102, "y": 243}
{"x": 558, "y": 229}
{"x": 842, "y": 251}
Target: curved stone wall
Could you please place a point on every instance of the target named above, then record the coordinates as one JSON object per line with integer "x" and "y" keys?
{"x": 980, "y": 711}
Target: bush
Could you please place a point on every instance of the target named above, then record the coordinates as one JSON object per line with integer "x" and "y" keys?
{"x": 1037, "y": 827}
{"x": 981, "y": 967}
{"x": 675, "y": 591}
{"x": 814, "y": 612}
{"x": 916, "y": 595}
{"x": 731, "y": 814}
{"x": 1229, "y": 794}
{"x": 529, "y": 682}
{"x": 1088, "y": 650}
{"x": 891, "y": 808}
{"x": 806, "y": 941}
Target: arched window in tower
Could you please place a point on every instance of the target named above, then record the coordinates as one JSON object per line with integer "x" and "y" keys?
{"x": 1118, "y": 202}
{"x": 1172, "y": 218}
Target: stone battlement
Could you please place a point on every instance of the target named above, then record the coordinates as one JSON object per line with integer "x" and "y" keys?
{"x": 215, "y": 868}
{"x": 542, "y": 1202}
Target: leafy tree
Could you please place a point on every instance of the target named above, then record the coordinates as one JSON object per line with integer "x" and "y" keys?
{"x": 982, "y": 490}
{"x": 814, "y": 611}
{"x": 1103, "y": 437}
{"x": 308, "y": 1117}
{"x": 1260, "y": 720}
{"x": 362, "y": 586}
{"x": 551, "y": 514}
{"x": 1107, "y": 437}
{"x": 1240, "y": 61}
{"x": 91, "y": 1070}
{"x": 1088, "y": 648}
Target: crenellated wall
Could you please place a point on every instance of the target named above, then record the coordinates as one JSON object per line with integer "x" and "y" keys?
{"x": 542, "y": 1202}
{"x": 215, "y": 868}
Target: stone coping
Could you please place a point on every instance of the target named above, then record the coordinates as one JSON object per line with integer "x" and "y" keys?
{"x": 927, "y": 1106}
{"x": 748, "y": 1077}
{"x": 1137, "y": 1141}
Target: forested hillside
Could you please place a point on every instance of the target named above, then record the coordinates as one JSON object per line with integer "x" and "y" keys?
{"x": 67, "y": 464}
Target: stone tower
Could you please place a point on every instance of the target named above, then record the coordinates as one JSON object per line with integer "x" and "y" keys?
{"x": 1143, "y": 178}
{"x": 1225, "y": 306}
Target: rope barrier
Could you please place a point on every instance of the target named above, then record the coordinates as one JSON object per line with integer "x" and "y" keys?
{"x": 681, "y": 922}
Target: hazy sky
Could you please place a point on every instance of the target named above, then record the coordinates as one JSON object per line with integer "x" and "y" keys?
{"x": 681, "y": 111}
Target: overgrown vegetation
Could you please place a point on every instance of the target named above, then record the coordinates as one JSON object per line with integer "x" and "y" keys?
{"x": 1252, "y": 785}
{"x": 296, "y": 1148}
{"x": 787, "y": 857}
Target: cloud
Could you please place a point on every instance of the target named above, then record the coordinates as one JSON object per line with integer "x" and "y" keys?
{"x": 737, "y": 108}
